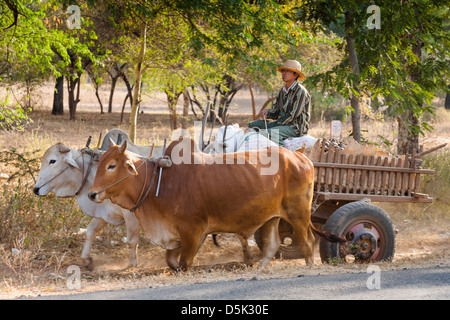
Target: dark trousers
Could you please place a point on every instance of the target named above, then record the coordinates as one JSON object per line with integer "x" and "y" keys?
{"x": 277, "y": 133}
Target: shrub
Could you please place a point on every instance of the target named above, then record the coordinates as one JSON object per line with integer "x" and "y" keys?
{"x": 13, "y": 117}
{"x": 438, "y": 184}
{"x": 23, "y": 213}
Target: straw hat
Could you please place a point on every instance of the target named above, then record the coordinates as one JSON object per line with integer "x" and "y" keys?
{"x": 293, "y": 66}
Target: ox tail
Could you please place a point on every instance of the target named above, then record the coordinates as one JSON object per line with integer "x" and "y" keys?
{"x": 328, "y": 236}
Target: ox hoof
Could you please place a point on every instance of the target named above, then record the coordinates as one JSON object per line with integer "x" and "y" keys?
{"x": 248, "y": 262}
{"x": 88, "y": 263}
{"x": 264, "y": 263}
{"x": 130, "y": 266}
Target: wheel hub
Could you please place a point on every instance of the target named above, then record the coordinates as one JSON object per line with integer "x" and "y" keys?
{"x": 364, "y": 241}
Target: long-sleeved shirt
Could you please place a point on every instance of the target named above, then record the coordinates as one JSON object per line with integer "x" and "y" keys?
{"x": 292, "y": 107}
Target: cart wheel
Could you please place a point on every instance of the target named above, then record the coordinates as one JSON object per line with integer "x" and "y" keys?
{"x": 368, "y": 229}
{"x": 287, "y": 250}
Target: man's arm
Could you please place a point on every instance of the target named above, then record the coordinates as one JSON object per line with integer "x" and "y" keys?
{"x": 274, "y": 113}
{"x": 299, "y": 113}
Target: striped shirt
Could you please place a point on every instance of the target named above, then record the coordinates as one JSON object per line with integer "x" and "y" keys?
{"x": 292, "y": 108}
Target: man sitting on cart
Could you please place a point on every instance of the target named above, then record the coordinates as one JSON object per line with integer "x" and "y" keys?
{"x": 290, "y": 113}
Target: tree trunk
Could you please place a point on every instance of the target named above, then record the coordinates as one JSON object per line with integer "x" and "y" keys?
{"x": 250, "y": 86}
{"x": 137, "y": 87}
{"x": 408, "y": 138}
{"x": 129, "y": 88}
{"x": 71, "y": 96}
{"x": 172, "y": 99}
{"x": 230, "y": 88}
{"x": 173, "y": 113}
{"x": 111, "y": 92}
{"x": 58, "y": 97}
{"x": 354, "y": 96}
{"x": 77, "y": 99}
{"x": 99, "y": 100}
{"x": 92, "y": 75}
{"x": 184, "y": 119}
{"x": 356, "y": 116}
{"x": 128, "y": 96}
{"x": 447, "y": 99}
{"x": 73, "y": 101}
{"x": 402, "y": 142}
{"x": 228, "y": 101}
{"x": 123, "y": 106}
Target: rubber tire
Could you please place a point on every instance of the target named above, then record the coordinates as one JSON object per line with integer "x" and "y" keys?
{"x": 347, "y": 215}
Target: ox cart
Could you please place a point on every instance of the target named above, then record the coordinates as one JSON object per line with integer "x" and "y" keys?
{"x": 346, "y": 182}
{"x": 345, "y": 185}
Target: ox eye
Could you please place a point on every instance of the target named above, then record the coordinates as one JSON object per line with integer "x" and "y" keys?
{"x": 52, "y": 161}
{"x": 111, "y": 166}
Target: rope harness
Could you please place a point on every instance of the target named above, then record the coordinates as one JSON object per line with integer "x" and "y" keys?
{"x": 88, "y": 171}
{"x": 155, "y": 169}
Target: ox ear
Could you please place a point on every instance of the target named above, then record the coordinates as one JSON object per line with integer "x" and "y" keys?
{"x": 111, "y": 143}
{"x": 71, "y": 163}
{"x": 123, "y": 147}
{"x": 131, "y": 168}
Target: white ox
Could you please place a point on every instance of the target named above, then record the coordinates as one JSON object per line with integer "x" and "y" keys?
{"x": 62, "y": 172}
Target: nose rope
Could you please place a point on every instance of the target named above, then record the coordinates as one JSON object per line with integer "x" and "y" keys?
{"x": 57, "y": 175}
{"x": 145, "y": 182}
{"x": 88, "y": 171}
{"x": 85, "y": 176}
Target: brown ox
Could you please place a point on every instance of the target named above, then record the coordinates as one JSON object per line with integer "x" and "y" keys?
{"x": 200, "y": 196}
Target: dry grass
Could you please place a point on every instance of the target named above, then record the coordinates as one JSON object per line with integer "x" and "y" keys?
{"x": 45, "y": 230}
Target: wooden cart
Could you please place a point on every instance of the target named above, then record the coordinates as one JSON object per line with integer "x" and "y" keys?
{"x": 345, "y": 187}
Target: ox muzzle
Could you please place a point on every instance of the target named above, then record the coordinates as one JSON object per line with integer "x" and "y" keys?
{"x": 93, "y": 196}
{"x": 36, "y": 190}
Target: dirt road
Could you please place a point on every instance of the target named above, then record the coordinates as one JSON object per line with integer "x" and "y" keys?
{"x": 417, "y": 283}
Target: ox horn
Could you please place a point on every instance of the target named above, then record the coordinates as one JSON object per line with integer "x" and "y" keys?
{"x": 123, "y": 147}
{"x": 64, "y": 149}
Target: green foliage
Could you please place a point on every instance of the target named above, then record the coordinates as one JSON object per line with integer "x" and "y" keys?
{"x": 13, "y": 117}
{"x": 199, "y": 42}
{"x": 405, "y": 62}
{"x": 326, "y": 106}
{"x": 35, "y": 44}
{"x": 29, "y": 40}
